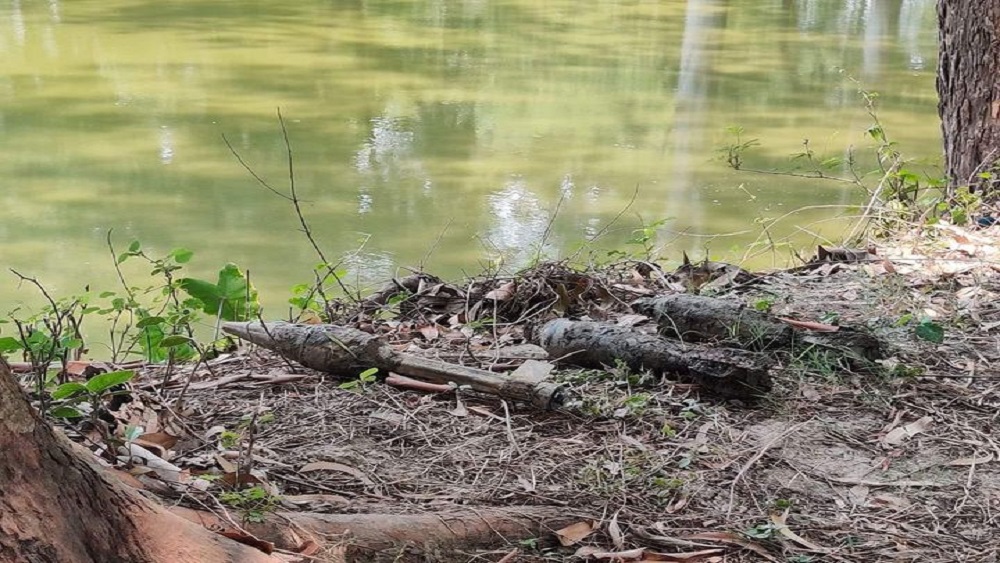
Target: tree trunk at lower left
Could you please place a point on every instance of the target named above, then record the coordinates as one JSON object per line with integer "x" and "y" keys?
{"x": 55, "y": 507}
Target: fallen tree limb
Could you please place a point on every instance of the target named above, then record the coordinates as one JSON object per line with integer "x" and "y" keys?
{"x": 693, "y": 318}
{"x": 399, "y": 537}
{"x": 347, "y": 352}
{"x": 729, "y": 372}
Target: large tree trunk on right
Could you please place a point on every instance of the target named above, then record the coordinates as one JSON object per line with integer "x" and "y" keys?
{"x": 969, "y": 91}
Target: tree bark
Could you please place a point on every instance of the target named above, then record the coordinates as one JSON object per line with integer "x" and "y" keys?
{"x": 730, "y": 372}
{"x": 969, "y": 90}
{"x": 694, "y": 318}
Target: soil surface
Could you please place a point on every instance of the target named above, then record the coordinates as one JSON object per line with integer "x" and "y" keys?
{"x": 893, "y": 461}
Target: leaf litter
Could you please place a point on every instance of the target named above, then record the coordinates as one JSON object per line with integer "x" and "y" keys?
{"x": 836, "y": 464}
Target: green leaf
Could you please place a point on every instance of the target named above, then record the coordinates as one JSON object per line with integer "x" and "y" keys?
{"x": 149, "y": 321}
{"x": 71, "y": 343}
{"x": 122, "y": 257}
{"x": 135, "y": 246}
{"x": 132, "y": 432}
{"x": 10, "y": 344}
{"x": 65, "y": 412}
{"x": 175, "y": 340}
{"x": 102, "y": 382}
{"x": 228, "y": 297}
{"x": 181, "y": 255}
{"x": 930, "y": 331}
{"x": 149, "y": 339}
{"x": 67, "y": 390}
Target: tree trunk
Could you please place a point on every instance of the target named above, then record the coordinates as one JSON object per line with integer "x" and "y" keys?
{"x": 969, "y": 91}
{"x": 55, "y": 507}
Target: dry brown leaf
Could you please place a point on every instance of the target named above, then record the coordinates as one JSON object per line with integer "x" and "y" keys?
{"x": 77, "y": 367}
{"x": 810, "y": 393}
{"x": 734, "y": 539}
{"x": 615, "y": 532}
{"x": 162, "y": 439}
{"x": 633, "y": 289}
{"x": 459, "y": 410}
{"x": 226, "y": 465}
{"x": 677, "y": 505}
{"x": 503, "y": 293}
{"x": 965, "y": 461}
{"x": 574, "y": 533}
{"x": 316, "y": 498}
{"x": 858, "y": 494}
{"x": 247, "y": 539}
{"x": 338, "y": 467}
{"x": 429, "y": 332}
{"x": 533, "y": 371}
{"x": 309, "y": 318}
{"x": 889, "y": 501}
{"x": 900, "y": 434}
{"x": 596, "y": 553}
{"x": 784, "y": 530}
{"x": 703, "y": 556}
{"x": 809, "y": 325}
{"x": 307, "y": 548}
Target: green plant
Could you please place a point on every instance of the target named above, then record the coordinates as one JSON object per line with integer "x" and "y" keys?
{"x": 159, "y": 319}
{"x": 830, "y": 318}
{"x": 692, "y": 409}
{"x": 735, "y": 150}
{"x": 899, "y": 191}
{"x": 763, "y": 303}
{"x": 634, "y": 405}
{"x": 254, "y": 503}
{"x": 69, "y": 397}
{"x": 781, "y": 503}
{"x": 930, "y": 331}
{"x": 645, "y": 237}
{"x": 530, "y": 544}
{"x": 818, "y": 361}
{"x": 229, "y": 439}
{"x": 364, "y": 379}
{"x": 52, "y": 335}
{"x": 762, "y": 531}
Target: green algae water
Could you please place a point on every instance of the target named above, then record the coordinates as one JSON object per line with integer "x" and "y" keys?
{"x": 437, "y": 133}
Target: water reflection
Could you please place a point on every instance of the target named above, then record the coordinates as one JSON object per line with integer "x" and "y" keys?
{"x": 518, "y": 224}
{"x": 407, "y": 116}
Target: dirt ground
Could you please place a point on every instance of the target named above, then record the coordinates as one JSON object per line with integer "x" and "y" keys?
{"x": 897, "y": 461}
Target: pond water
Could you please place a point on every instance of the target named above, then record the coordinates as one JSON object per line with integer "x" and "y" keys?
{"x": 435, "y": 132}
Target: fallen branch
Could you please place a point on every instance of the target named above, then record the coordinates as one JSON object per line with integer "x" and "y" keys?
{"x": 347, "y": 352}
{"x": 729, "y": 372}
{"x": 398, "y": 537}
{"x": 693, "y": 318}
